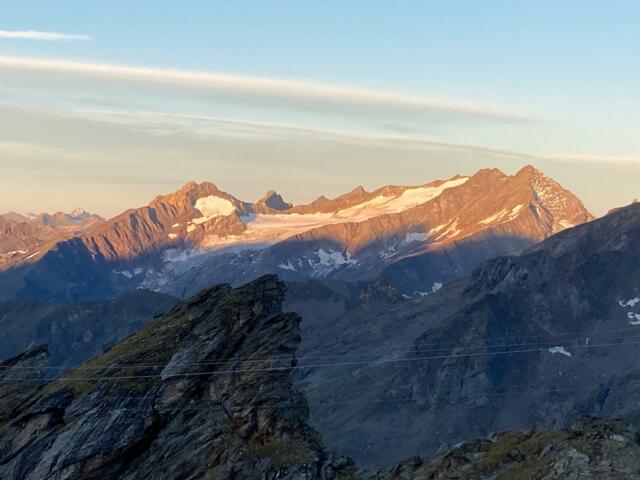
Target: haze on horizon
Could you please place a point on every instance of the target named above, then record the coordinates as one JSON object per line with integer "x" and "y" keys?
{"x": 106, "y": 105}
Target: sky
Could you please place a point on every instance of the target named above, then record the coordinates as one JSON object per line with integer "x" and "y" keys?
{"x": 104, "y": 105}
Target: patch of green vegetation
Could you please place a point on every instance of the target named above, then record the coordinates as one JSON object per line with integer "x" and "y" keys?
{"x": 282, "y": 453}
{"x": 529, "y": 446}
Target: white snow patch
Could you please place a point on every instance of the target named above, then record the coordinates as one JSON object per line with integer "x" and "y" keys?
{"x": 129, "y": 273}
{"x": 564, "y": 224}
{"x": 287, "y": 266}
{"x": 175, "y": 225}
{"x": 451, "y": 231}
{"x": 173, "y": 255}
{"x": 634, "y": 318}
{"x": 329, "y": 261}
{"x": 15, "y": 252}
{"x": 503, "y": 215}
{"x": 415, "y": 237}
{"x": 173, "y": 235}
{"x": 629, "y": 303}
{"x": 494, "y": 217}
{"x": 388, "y": 252}
{"x": 435, "y": 230}
{"x": 434, "y": 288}
{"x": 332, "y": 258}
{"x": 212, "y": 207}
{"x": 560, "y": 350}
{"x": 409, "y": 198}
{"x": 191, "y": 228}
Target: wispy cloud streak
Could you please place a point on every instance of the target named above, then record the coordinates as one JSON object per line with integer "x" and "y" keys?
{"x": 48, "y": 36}
{"x": 596, "y": 159}
{"x": 314, "y": 94}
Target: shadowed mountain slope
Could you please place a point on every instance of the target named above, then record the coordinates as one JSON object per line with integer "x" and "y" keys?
{"x": 75, "y": 332}
{"x": 535, "y": 340}
{"x": 205, "y": 392}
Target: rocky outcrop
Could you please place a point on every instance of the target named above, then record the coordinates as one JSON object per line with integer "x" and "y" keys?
{"x": 201, "y": 392}
{"x": 589, "y": 449}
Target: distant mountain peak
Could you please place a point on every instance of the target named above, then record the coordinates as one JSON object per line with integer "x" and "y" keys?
{"x": 274, "y": 200}
{"x": 528, "y": 171}
{"x": 188, "y": 186}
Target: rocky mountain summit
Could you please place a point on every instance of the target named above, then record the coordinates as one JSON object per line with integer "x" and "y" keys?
{"x": 415, "y": 237}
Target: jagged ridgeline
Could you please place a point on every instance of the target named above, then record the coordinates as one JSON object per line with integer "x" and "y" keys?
{"x": 417, "y": 237}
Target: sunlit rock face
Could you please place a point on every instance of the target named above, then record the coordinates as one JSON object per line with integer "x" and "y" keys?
{"x": 413, "y": 236}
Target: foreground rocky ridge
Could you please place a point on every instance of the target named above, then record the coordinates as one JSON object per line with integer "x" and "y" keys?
{"x": 205, "y": 392}
{"x": 201, "y": 392}
{"x": 589, "y": 449}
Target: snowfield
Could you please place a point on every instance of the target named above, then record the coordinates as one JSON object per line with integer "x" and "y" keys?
{"x": 212, "y": 207}
{"x": 265, "y": 229}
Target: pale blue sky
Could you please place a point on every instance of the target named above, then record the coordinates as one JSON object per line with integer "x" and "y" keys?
{"x": 382, "y": 92}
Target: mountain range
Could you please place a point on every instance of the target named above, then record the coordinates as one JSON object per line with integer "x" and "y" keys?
{"x": 408, "y": 325}
{"x": 24, "y": 237}
{"x": 415, "y": 238}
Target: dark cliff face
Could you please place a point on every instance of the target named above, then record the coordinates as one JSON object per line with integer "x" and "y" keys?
{"x": 201, "y": 392}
